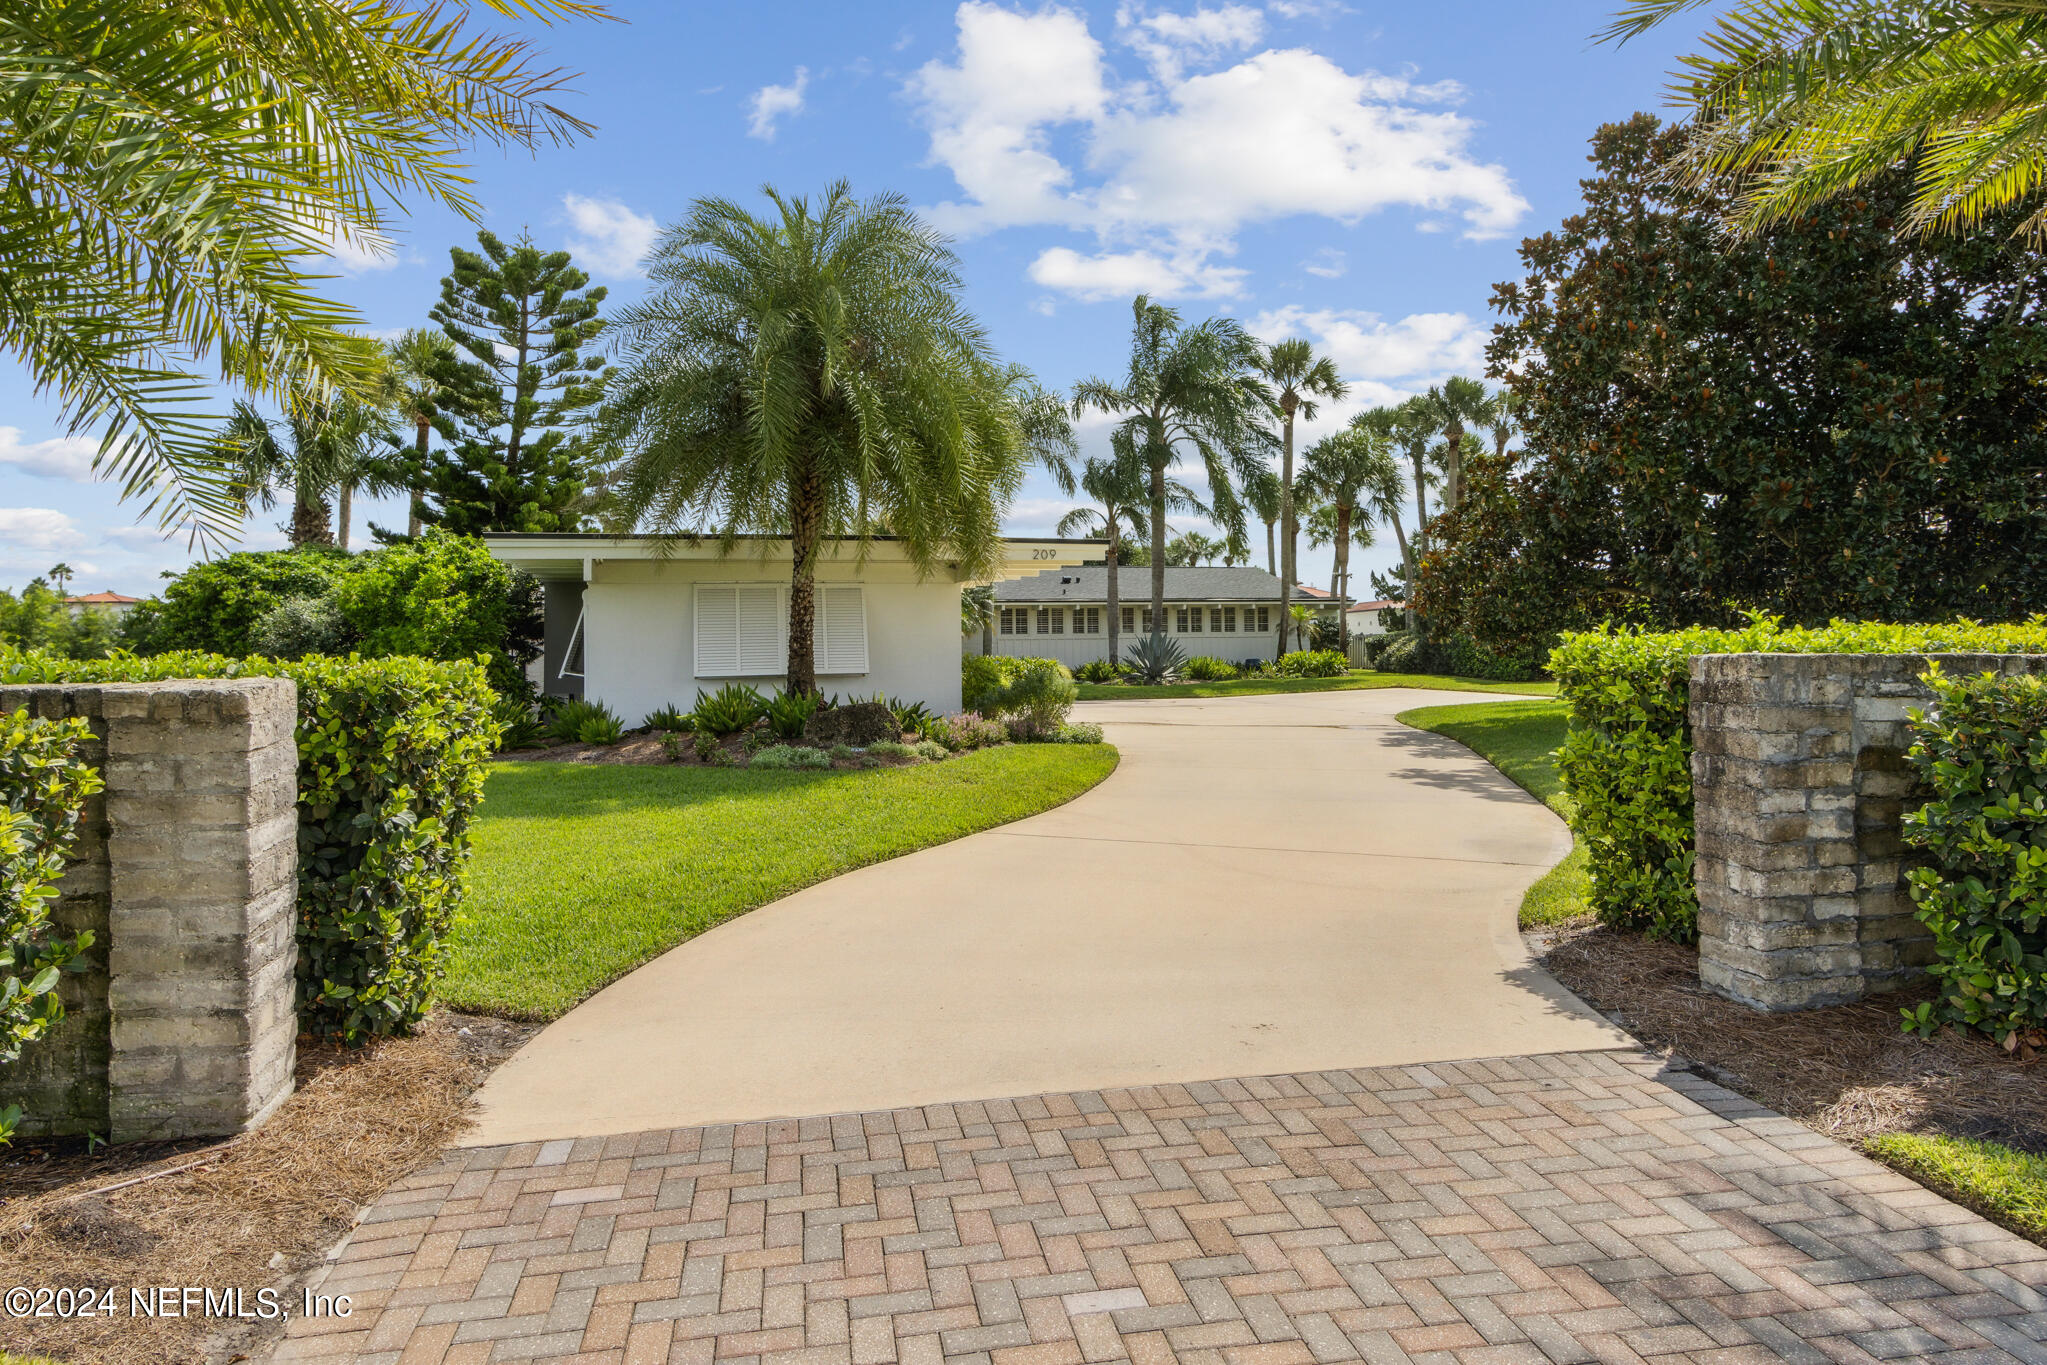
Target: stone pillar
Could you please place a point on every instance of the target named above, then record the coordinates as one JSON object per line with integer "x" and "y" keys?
{"x": 1799, "y": 788}
{"x": 194, "y": 854}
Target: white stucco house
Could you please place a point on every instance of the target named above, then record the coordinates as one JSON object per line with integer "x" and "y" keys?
{"x": 638, "y": 624}
{"x": 1229, "y": 613}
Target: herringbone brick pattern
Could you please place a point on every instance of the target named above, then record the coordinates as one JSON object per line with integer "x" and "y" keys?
{"x": 1561, "y": 1208}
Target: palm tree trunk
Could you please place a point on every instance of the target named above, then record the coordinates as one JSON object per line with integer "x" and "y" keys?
{"x": 1421, "y": 523}
{"x": 1271, "y": 565}
{"x": 988, "y": 633}
{"x": 1454, "y": 494}
{"x": 345, "y": 508}
{"x": 806, "y": 517}
{"x": 1158, "y": 542}
{"x": 415, "y": 516}
{"x": 1114, "y": 595}
{"x": 1341, "y": 578}
{"x": 1286, "y": 519}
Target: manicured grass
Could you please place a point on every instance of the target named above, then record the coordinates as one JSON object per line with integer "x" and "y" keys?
{"x": 2005, "y": 1186}
{"x": 1518, "y": 737}
{"x": 1248, "y": 687}
{"x": 583, "y": 872}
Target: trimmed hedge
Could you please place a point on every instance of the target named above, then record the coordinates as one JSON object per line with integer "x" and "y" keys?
{"x": 1627, "y": 758}
{"x": 1318, "y": 663}
{"x": 43, "y": 790}
{"x": 1983, "y": 751}
{"x": 391, "y": 759}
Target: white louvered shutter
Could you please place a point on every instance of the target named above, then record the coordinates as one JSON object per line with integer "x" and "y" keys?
{"x": 763, "y": 639}
{"x": 716, "y": 648}
{"x": 841, "y": 629}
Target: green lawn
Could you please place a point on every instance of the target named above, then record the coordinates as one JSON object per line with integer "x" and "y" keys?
{"x": 2005, "y": 1186}
{"x": 582, "y": 872}
{"x": 1247, "y": 687}
{"x": 1517, "y": 737}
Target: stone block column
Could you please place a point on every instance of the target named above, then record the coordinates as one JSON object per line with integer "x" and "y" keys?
{"x": 186, "y": 1028}
{"x": 1800, "y": 787}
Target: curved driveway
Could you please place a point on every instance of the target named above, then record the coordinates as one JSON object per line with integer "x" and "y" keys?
{"x": 1267, "y": 884}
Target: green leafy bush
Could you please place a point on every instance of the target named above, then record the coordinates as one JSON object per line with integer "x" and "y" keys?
{"x": 859, "y": 722}
{"x": 708, "y": 748}
{"x": 572, "y": 715}
{"x": 1461, "y": 658}
{"x": 1098, "y": 671}
{"x": 791, "y": 756}
{"x": 214, "y": 605}
{"x": 1207, "y": 668}
{"x": 1317, "y": 663}
{"x": 1375, "y": 647}
{"x": 968, "y": 730}
{"x": 44, "y": 784}
{"x": 1402, "y": 654}
{"x": 391, "y": 756}
{"x": 1982, "y": 750}
{"x": 981, "y": 677}
{"x": 1078, "y": 732}
{"x": 727, "y": 711}
{"x": 930, "y": 749}
{"x": 600, "y": 730}
{"x": 788, "y": 712}
{"x": 1037, "y": 696}
{"x": 912, "y": 717}
{"x": 1156, "y": 659}
{"x": 1627, "y": 758}
{"x": 518, "y": 726}
{"x": 672, "y": 719}
{"x": 890, "y": 748}
{"x": 298, "y": 626}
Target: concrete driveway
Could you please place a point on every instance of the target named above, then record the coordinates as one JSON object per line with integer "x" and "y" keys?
{"x": 1266, "y": 885}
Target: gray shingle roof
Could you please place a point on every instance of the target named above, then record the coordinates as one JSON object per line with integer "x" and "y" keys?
{"x": 1091, "y": 584}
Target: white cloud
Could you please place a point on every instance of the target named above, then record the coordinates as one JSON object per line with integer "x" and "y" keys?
{"x": 1416, "y": 350}
{"x": 59, "y": 457}
{"x": 1122, "y": 274}
{"x": 771, "y": 103}
{"x": 609, "y": 236}
{"x": 1327, "y": 263}
{"x": 38, "y": 528}
{"x": 350, "y": 252}
{"x": 1036, "y": 129}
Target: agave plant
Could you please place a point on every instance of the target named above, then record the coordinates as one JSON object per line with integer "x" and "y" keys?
{"x": 1156, "y": 658}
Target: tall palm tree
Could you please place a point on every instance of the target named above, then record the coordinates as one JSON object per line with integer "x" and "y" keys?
{"x": 1297, "y": 377}
{"x": 177, "y": 174}
{"x": 1350, "y": 469}
{"x": 1804, "y": 100}
{"x": 811, "y": 373}
{"x": 1458, "y": 402}
{"x": 1192, "y": 549}
{"x": 60, "y": 575}
{"x": 312, "y": 452}
{"x": 1192, "y": 389}
{"x": 1261, "y": 495}
{"x": 1503, "y": 419}
{"x": 416, "y": 362}
{"x": 1412, "y": 426}
{"x": 1121, "y": 496}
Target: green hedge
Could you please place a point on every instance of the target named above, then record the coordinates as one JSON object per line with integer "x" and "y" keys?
{"x": 391, "y": 764}
{"x": 1627, "y": 758}
{"x": 1982, "y": 750}
{"x": 43, "y": 788}
{"x": 1318, "y": 663}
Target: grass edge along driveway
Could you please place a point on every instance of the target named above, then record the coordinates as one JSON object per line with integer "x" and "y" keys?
{"x": 584, "y": 871}
{"x": 1360, "y": 680}
{"x": 1517, "y": 737}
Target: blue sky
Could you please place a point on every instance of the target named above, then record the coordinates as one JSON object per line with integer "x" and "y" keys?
{"x": 1360, "y": 174}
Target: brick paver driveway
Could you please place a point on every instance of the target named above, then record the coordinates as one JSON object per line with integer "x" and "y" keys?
{"x": 1556, "y": 1208}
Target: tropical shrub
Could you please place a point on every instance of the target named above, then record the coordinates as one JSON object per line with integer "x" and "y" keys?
{"x": 214, "y": 605}
{"x": 968, "y": 730}
{"x": 1402, "y": 654}
{"x": 1156, "y": 659}
{"x": 1206, "y": 668}
{"x": 1078, "y": 732}
{"x": 604, "y": 729}
{"x": 981, "y": 677}
{"x": 38, "y": 619}
{"x": 856, "y": 723}
{"x": 891, "y": 748}
{"x": 931, "y": 750}
{"x": 708, "y": 749}
{"x": 1318, "y": 663}
{"x": 391, "y": 757}
{"x": 790, "y": 756}
{"x": 911, "y": 716}
{"x": 727, "y": 711}
{"x": 672, "y": 719}
{"x": 44, "y": 784}
{"x": 298, "y": 626}
{"x": 1037, "y": 697}
{"x": 1626, "y": 759}
{"x": 1982, "y": 751}
{"x": 1375, "y": 646}
{"x": 1097, "y": 671}
{"x": 789, "y": 712}
{"x": 1460, "y": 657}
{"x": 518, "y": 726}
{"x": 571, "y": 716}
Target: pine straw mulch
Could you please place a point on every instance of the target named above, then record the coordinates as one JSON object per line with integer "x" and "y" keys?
{"x": 259, "y": 1211}
{"x": 1849, "y": 1071}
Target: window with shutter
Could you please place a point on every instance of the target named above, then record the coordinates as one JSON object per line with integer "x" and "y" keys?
{"x": 841, "y": 633}
{"x": 740, "y": 631}
{"x": 763, "y": 630}
{"x": 716, "y": 645}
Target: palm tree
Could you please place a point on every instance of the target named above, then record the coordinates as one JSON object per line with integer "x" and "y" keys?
{"x": 1261, "y": 494}
{"x": 1118, "y": 487}
{"x": 977, "y": 613}
{"x": 60, "y": 574}
{"x": 1193, "y": 389}
{"x": 1191, "y": 549}
{"x": 416, "y": 362}
{"x": 178, "y": 173}
{"x": 1298, "y": 376}
{"x": 1351, "y": 468}
{"x": 811, "y": 373}
{"x": 1457, "y": 402}
{"x": 315, "y": 450}
{"x": 1503, "y": 419}
{"x": 1412, "y": 426}
{"x": 1799, "y": 101}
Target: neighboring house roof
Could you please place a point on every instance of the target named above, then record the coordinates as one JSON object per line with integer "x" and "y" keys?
{"x": 1387, "y": 604}
{"x": 1090, "y": 583}
{"x": 1306, "y": 590}
{"x": 101, "y": 599}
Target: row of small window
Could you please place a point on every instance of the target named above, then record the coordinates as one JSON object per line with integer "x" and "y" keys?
{"x": 1088, "y": 620}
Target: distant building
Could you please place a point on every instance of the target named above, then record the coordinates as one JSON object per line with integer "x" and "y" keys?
{"x": 1365, "y": 618}
{"x": 113, "y": 603}
{"x": 1227, "y": 612}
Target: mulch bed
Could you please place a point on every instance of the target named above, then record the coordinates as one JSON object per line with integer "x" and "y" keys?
{"x": 261, "y": 1210}
{"x": 1849, "y": 1071}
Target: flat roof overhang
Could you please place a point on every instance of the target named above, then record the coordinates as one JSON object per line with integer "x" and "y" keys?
{"x": 572, "y": 556}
